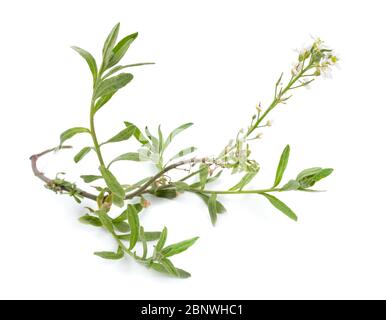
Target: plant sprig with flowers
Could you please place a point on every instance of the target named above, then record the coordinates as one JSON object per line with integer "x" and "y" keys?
{"x": 133, "y": 197}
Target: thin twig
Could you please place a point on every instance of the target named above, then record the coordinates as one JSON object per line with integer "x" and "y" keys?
{"x": 34, "y": 158}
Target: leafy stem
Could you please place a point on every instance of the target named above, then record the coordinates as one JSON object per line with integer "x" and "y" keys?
{"x": 240, "y": 191}
{"x": 93, "y": 132}
{"x": 126, "y": 228}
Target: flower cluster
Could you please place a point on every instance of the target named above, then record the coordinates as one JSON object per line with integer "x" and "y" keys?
{"x": 317, "y": 58}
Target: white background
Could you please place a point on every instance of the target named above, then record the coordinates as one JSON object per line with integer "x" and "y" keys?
{"x": 215, "y": 61}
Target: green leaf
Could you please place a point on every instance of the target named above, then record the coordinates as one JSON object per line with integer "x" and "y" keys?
{"x": 162, "y": 240}
{"x": 307, "y": 178}
{"x": 170, "y": 193}
{"x": 282, "y": 166}
{"x": 281, "y": 206}
{"x": 243, "y": 182}
{"x": 219, "y": 207}
{"x": 109, "y": 45}
{"x": 119, "y": 68}
{"x": 112, "y": 183}
{"x": 105, "y": 220}
{"x": 102, "y": 101}
{"x": 142, "y": 237}
{"x": 118, "y": 201}
{"x": 178, "y": 247}
{"x": 204, "y": 173}
{"x": 160, "y": 140}
{"x": 152, "y": 235}
{"x": 149, "y": 236}
{"x": 136, "y": 185}
{"x": 122, "y": 226}
{"x": 68, "y": 134}
{"x": 158, "y": 267}
{"x": 120, "y": 49}
{"x": 123, "y": 215}
{"x": 175, "y": 132}
{"x": 90, "y": 178}
{"x": 90, "y": 220}
{"x": 111, "y": 255}
{"x": 130, "y": 156}
{"x": 210, "y": 180}
{"x": 308, "y": 172}
{"x": 291, "y": 186}
{"x": 212, "y": 206}
{"x": 169, "y": 267}
{"x": 112, "y": 85}
{"x": 181, "y": 186}
{"x": 152, "y": 138}
{"x": 90, "y": 61}
{"x": 123, "y": 135}
{"x": 138, "y": 134}
{"x": 183, "y": 153}
{"x": 80, "y": 155}
{"x": 133, "y": 219}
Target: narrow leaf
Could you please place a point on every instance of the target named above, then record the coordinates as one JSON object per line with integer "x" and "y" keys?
{"x": 178, "y": 247}
{"x": 111, "y": 255}
{"x": 130, "y": 156}
{"x": 291, "y": 186}
{"x": 142, "y": 237}
{"x": 123, "y": 215}
{"x": 138, "y": 134}
{"x": 204, "y": 173}
{"x": 103, "y": 100}
{"x": 82, "y": 153}
{"x": 183, "y": 153}
{"x": 281, "y": 206}
{"x": 133, "y": 219}
{"x": 308, "y": 172}
{"x": 90, "y": 61}
{"x": 111, "y": 85}
{"x": 244, "y": 181}
{"x": 175, "y": 132}
{"x": 109, "y": 44}
{"x": 123, "y": 135}
{"x": 136, "y": 185}
{"x": 160, "y": 268}
{"x": 160, "y": 140}
{"x": 181, "y": 186}
{"x": 120, "y": 49}
{"x": 307, "y": 178}
{"x": 122, "y": 226}
{"x": 212, "y": 206}
{"x": 90, "y": 220}
{"x": 219, "y": 207}
{"x": 119, "y": 68}
{"x": 105, "y": 220}
{"x": 90, "y": 178}
{"x": 169, "y": 267}
{"x": 118, "y": 201}
{"x": 112, "y": 183}
{"x": 68, "y": 134}
{"x": 210, "y": 180}
{"x": 162, "y": 240}
{"x": 152, "y": 138}
{"x": 170, "y": 193}
{"x": 149, "y": 236}
{"x": 282, "y": 166}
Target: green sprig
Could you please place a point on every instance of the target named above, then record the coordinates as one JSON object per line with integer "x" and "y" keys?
{"x": 126, "y": 228}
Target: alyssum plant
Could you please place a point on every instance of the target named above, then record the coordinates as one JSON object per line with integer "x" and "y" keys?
{"x": 125, "y": 227}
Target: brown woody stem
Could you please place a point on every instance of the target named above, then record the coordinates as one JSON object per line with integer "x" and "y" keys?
{"x": 34, "y": 158}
